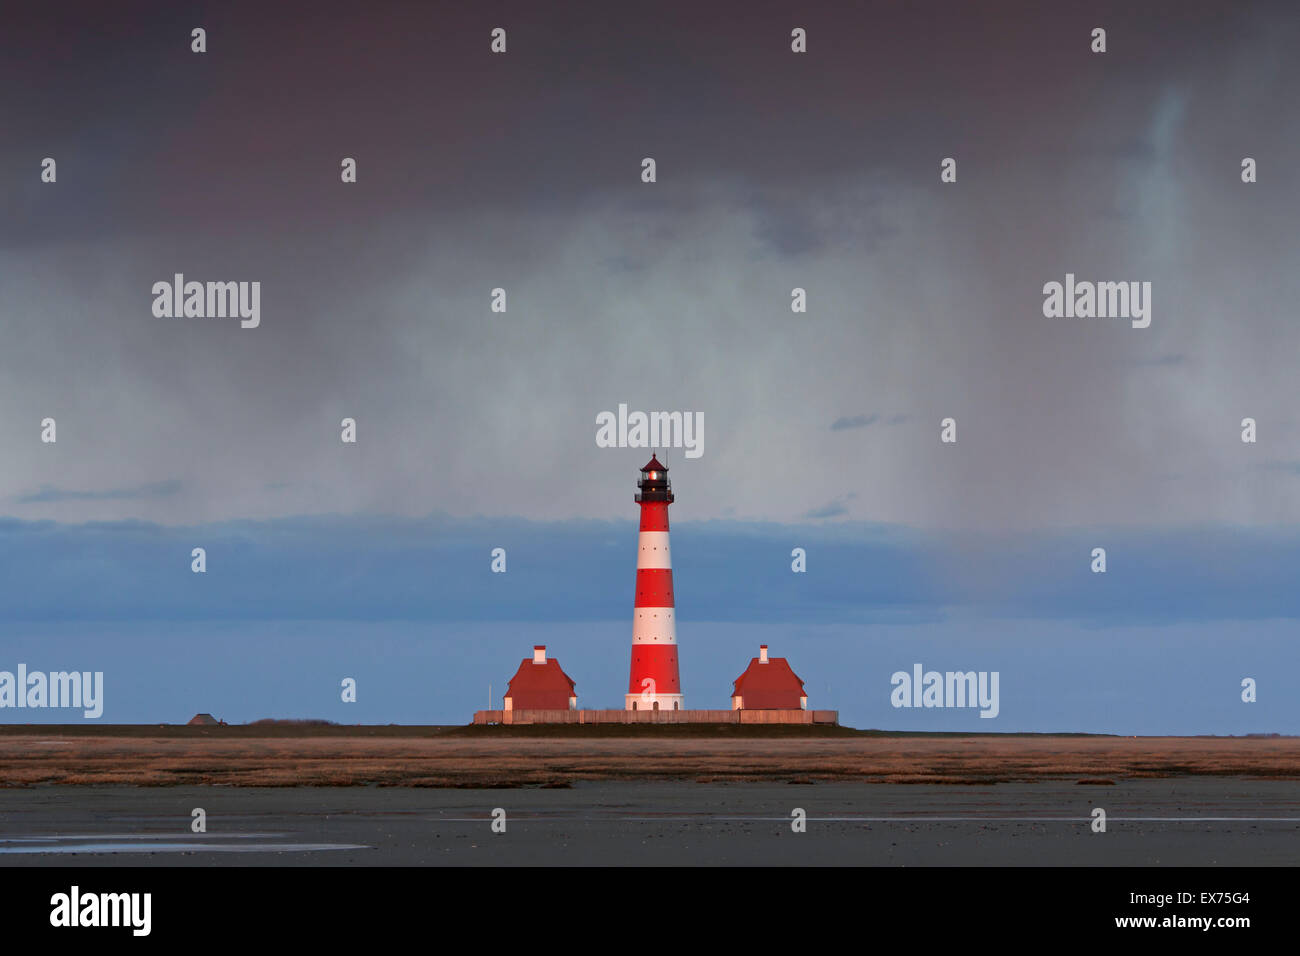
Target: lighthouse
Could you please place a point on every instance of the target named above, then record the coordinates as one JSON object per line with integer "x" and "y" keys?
{"x": 653, "y": 684}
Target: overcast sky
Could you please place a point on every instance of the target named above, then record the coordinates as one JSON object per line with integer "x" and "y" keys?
{"x": 775, "y": 171}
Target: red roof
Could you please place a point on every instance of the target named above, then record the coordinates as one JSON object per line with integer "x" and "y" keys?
{"x": 540, "y": 686}
{"x": 654, "y": 465}
{"x": 770, "y": 686}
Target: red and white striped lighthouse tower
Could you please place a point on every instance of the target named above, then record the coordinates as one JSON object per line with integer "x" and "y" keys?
{"x": 653, "y": 684}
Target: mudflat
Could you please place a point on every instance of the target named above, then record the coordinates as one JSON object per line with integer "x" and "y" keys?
{"x": 1188, "y": 821}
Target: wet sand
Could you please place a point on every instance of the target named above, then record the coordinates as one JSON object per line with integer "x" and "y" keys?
{"x": 1151, "y": 822}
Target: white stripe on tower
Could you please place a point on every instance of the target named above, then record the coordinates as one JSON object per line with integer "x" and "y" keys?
{"x": 654, "y": 625}
{"x": 653, "y": 550}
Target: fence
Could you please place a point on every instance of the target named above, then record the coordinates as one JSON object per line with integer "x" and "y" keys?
{"x": 657, "y": 717}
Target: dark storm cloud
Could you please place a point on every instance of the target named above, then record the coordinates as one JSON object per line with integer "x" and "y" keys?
{"x": 847, "y": 422}
{"x": 833, "y": 510}
{"x": 166, "y": 140}
{"x": 522, "y": 171}
{"x": 857, "y": 421}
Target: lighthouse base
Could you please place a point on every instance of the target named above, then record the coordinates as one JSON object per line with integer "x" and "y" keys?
{"x": 653, "y": 702}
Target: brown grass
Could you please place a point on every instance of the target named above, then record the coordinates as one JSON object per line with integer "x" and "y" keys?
{"x": 39, "y": 756}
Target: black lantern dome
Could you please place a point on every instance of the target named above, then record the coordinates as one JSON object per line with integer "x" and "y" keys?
{"x": 654, "y": 484}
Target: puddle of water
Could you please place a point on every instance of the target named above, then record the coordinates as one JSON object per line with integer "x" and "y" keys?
{"x": 183, "y": 848}
{"x": 52, "y": 837}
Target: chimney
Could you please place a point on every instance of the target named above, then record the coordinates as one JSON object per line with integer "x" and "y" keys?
{"x": 762, "y": 653}
{"x": 539, "y": 653}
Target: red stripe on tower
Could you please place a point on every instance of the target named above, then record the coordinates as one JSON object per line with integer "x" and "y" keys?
{"x": 653, "y": 684}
